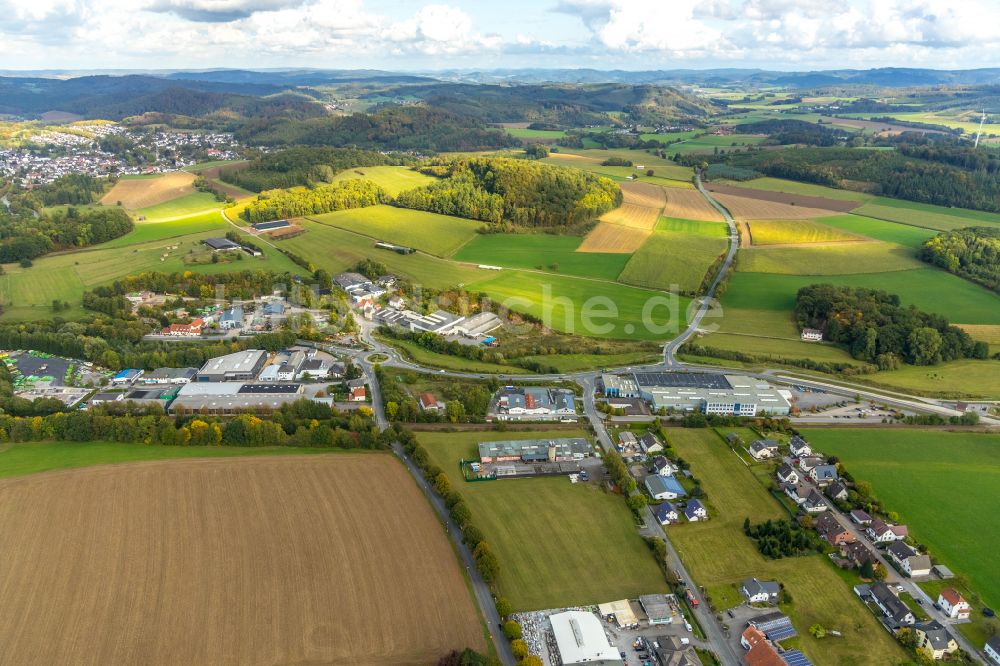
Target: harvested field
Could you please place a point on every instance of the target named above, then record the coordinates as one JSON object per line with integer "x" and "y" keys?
{"x": 762, "y": 209}
{"x": 883, "y": 129}
{"x": 212, "y": 174}
{"x": 803, "y": 200}
{"x": 690, "y": 205}
{"x": 636, "y": 217}
{"x": 617, "y": 238}
{"x": 792, "y": 232}
{"x": 145, "y": 192}
{"x": 252, "y": 561}
{"x": 644, "y": 194}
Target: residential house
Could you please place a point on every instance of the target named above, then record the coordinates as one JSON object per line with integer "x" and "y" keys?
{"x": 626, "y": 440}
{"x": 429, "y": 403}
{"x": 954, "y": 604}
{"x": 857, "y": 553}
{"x": 186, "y": 330}
{"x": 356, "y": 390}
{"x": 695, "y": 511}
{"x": 787, "y": 474}
{"x": 935, "y": 639}
{"x": 823, "y": 475}
{"x": 882, "y": 532}
{"x": 814, "y": 503}
{"x": 666, "y": 513}
{"x": 760, "y": 591}
{"x": 232, "y": 319}
{"x": 650, "y": 443}
{"x": 664, "y": 487}
{"x": 861, "y": 518}
{"x": 673, "y": 652}
{"x": 314, "y": 368}
{"x": 910, "y": 561}
{"x": 837, "y": 491}
{"x": 799, "y": 447}
{"x": 797, "y": 492}
{"x": 992, "y": 650}
{"x": 396, "y": 303}
{"x": 663, "y": 467}
{"x": 831, "y": 531}
{"x": 763, "y": 449}
{"x": 806, "y": 463}
{"x": 289, "y": 370}
{"x": 891, "y": 606}
{"x": 812, "y": 335}
{"x": 752, "y": 636}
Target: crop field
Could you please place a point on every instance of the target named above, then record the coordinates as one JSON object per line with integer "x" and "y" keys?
{"x": 615, "y": 238}
{"x": 762, "y": 209}
{"x": 664, "y": 137}
{"x": 695, "y": 227}
{"x": 135, "y": 193}
{"x": 792, "y": 199}
{"x": 805, "y": 189}
{"x": 890, "y": 232}
{"x": 786, "y": 232}
{"x": 638, "y": 193}
{"x": 673, "y": 259}
{"x": 289, "y": 568}
{"x": 581, "y": 306}
{"x": 555, "y": 571}
{"x": 926, "y": 215}
{"x": 393, "y": 179}
{"x": 690, "y": 205}
{"x": 211, "y": 170}
{"x": 635, "y": 217}
{"x": 989, "y": 334}
{"x": 184, "y": 206}
{"x": 435, "y": 234}
{"x": 953, "y": 525}
{"x": 828, "y": 259}
{"x": 708, "y": 144}
{"x": 555, "y": 254}
{"x": 719, "y": 556}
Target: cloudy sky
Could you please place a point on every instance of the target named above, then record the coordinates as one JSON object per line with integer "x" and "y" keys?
{"x": 421, "y": 35}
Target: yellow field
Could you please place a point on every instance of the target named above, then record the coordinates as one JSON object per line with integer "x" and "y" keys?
{"x": 989, "y": 333}
{"x": 759, "y": 209}
{"x": 615, "y": 238}
{"x": 636, "y": 217}
{"x": 689, "y": 205}
{"x": 644, "y": 194}
{"x": 136, "y": 193}
{"x": 790, "y": 232}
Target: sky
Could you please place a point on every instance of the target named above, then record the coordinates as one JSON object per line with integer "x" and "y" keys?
{"x": 415, "y": 35}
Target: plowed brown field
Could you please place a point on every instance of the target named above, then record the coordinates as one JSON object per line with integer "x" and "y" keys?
{"x": 275, "y": 560}
{"x": 804, "y": 200}
{"x": 760, "y": 209}
{"x": 690, "y": 205}
{"x": 615, "y": 238}
{"x": 144, "y": 192}
{"x": 644, "y": 194}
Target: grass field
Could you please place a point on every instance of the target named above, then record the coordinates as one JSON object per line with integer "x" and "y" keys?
{"x": 965, "y": 378}
{"x": 184, "y": 206}
{"x": 435, "y": 234}
{"x": 670, "y": 258}
{"x": 719, "y": 556}
{"x": 146, "y": 232}
{"x": 559, "y": 544}
{"x": 525, "y": 133}
{"x": 690, "y": 205}
{"x": 577, "y": 362}
{"x": 290, "y": 568}
{"x": 694, "y": 227}
{"x": 556, "y": 254}
{"x": 426, "y": 357}
{"x": 393, "y": 179}
{"x": 807, "y": 189}
{"x": 954, "y": 525}
{"x": 143, "y": 192}
{"x": 708, "y": 144}
{"x": 590, "y": 308}
{"x": 829, "y": 259}
{"x": 608, "y": 237}
{"x": 929, "y": 289}
{"x": 777, "y": 347}
{"x": 890, "y": 232}
{"x": 783, "y": 232}
{"x": 926, "y": 215}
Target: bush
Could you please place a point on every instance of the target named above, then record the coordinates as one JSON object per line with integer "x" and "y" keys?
{"x": 512, "y": 630}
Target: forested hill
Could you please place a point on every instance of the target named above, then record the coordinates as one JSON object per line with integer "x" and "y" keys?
{"x": 305, "y": 166}
{"x": 514, "y": 192}
{"x": 972, "y": 253}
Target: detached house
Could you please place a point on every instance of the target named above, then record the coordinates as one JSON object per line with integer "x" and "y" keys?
{"x": 764, "y": 449}
{"x": 933, "y": 637}
{"x": 857, "y": 553}
{"x": 823, "y": 475}
{"x": 992, "y": 650}
{"x": 760, "y": 591}
{"x": 787, "y": 474}
{"x": 860, "y": 517}
{"x": 891, "y": 606}
{"x": 882, "y": 532}
{"x": 837, "y": 491}
{"x": 650, "y": 443}
{"x": 954, "y": 604}
{"x": 814, "y": 503}
{"x": 429, "y": 403}
{"x": 356, "y": 390}
{"x": 797, "y": 492}
{"x": 663, "y": 467}
{"x": 806, "y": 463}
{"x": 831, "y": 531}
{"x": 910, "y": 561}
{"x": 799, "y": 447}
{"x": 667, "y": 514}
{"x": 695, "y": 511}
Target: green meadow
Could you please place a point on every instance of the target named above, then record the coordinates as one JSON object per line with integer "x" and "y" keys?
{"x": 670, "y": 258}
{"x": 695, "y": 227}
{"x": 435, "y": 234}
{"x": 393, "y": 179}
{"x": 184, "y": 206}
{"x": 831, "y": 259}
{"x": 556, "y": 254}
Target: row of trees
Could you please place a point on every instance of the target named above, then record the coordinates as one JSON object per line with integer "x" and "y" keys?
{"x": 877, "y": 329}
{"x": 972, "y": 253}
{"x": 280, "y": 204}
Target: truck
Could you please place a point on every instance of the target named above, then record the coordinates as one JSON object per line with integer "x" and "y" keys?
{"x": 690, "y": 598}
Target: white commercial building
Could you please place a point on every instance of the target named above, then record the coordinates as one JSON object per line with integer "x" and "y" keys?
{"x": 711, "y": 393}
{"x": 581, "y": 639}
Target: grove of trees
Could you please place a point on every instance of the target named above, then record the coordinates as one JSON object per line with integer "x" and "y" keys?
{"x": 972, "y": 253}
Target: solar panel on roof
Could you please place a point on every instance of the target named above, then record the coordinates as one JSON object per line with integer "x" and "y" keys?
{"x": 703, "y": 380}
{"x": 795, "y": 658}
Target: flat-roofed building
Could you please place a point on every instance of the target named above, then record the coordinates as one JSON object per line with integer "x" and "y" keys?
{"x": 234, "y": 397}
{"x": 581, "y": 640}
{"x": 239, "y": 366}
{"x": 535, "y": 450}
{"x": 657, "y": 608}
{"x": 711, "y": 393}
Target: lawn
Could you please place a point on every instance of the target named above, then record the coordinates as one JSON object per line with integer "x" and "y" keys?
{"x": 435, "y": 234}
{"x": 556, "y": 254}
{"x": 697, "y": 227}
{"x": 337, "y": 250}
{"x": 916, "y": 473}
{"x": 559, "y": 544}
{"x": 829, "y": 259}
{"x": 592, "y": 308}
{"x": 30, "y": 458}
{"x": 673, "y": 259}
{"x": 393, "y": 179}
{"x": 783, "y": 232}
{"x": 890, "y": 232}
{"x": 189, "y": 204}
{"x": 719, "y": 556}
{"x": 929, "y": 289}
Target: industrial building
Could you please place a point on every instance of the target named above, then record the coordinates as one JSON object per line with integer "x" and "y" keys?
{"x": 657, "y": 608}
{"x": 240, "y": 366}
{"x": 233, "y": 397}
{"x": 534, "y": 450}
{"x": 533, "y": 403}
{"x": 169, "y": 376}
{"x": 711, "y": 393}
{"x": 581, "y": 640}
{"x": 439, "y": 321}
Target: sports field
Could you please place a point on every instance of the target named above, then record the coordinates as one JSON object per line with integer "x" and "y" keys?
{"x": 616, "y": 238}
{"x": 393, "y": 179}
{"x": 828, "y": 259}
{"x": 719, "y": 556}
{"x": 435, "y": 234}
{"x": 557, "y": 254}
{"x": 142, "y": 192}
{"x": 559, "y": 544}
{"x": 916, "y": 473}
{"x": 787, "y": 232}
{"x": 251, "y": 560}
{"x": 670, "y": 258}
{"x": 591, "y": 308}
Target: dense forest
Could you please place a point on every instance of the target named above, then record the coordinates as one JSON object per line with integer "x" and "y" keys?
{"x": 24, "y": 237}
{"x": 877, "y": 329}
{"x": 514, "y": 192}
{"x": 281, "y": 204}
{"x": 789, "y": 131}
{"x": 74, "y": 188}
{"x": 304, "y": 166}
{"x": 410, "y": 128}
{"x": 972, "y": 253}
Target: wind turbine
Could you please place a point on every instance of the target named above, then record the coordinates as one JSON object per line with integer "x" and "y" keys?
{"x": 980, "y": 132}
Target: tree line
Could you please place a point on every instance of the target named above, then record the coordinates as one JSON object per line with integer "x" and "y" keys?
{"x": 281, "y": 204}
{"x": 26, "y": 235}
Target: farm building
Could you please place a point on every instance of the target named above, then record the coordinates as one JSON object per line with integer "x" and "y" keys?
{"x": 533, "y": 403}
{"x": 664, "y": 487}
{"x": 239, "y": 366}
{"x": 581, "y": 639}
{"x": 269, "y": 226}
{"x": 220, "y": 244}
{"x": 400, "y": 249}
{"x": 534, "y": 450}
{"x": 657, "y": 608}
{"x": 775, "y": 626}
{"x": 710, "y": 393}
{"x": 233, "y": 397}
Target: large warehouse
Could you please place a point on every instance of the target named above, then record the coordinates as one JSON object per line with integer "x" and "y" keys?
{"x": 534, "y": 450}
{"x": 711, "y": 393}
{"x": 241, "y": 366}
{"x": 581, "y": 640}
{"x": 233, "y": 397}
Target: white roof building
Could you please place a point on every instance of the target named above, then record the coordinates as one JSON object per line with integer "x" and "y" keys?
{"x": 581, "y": 639}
